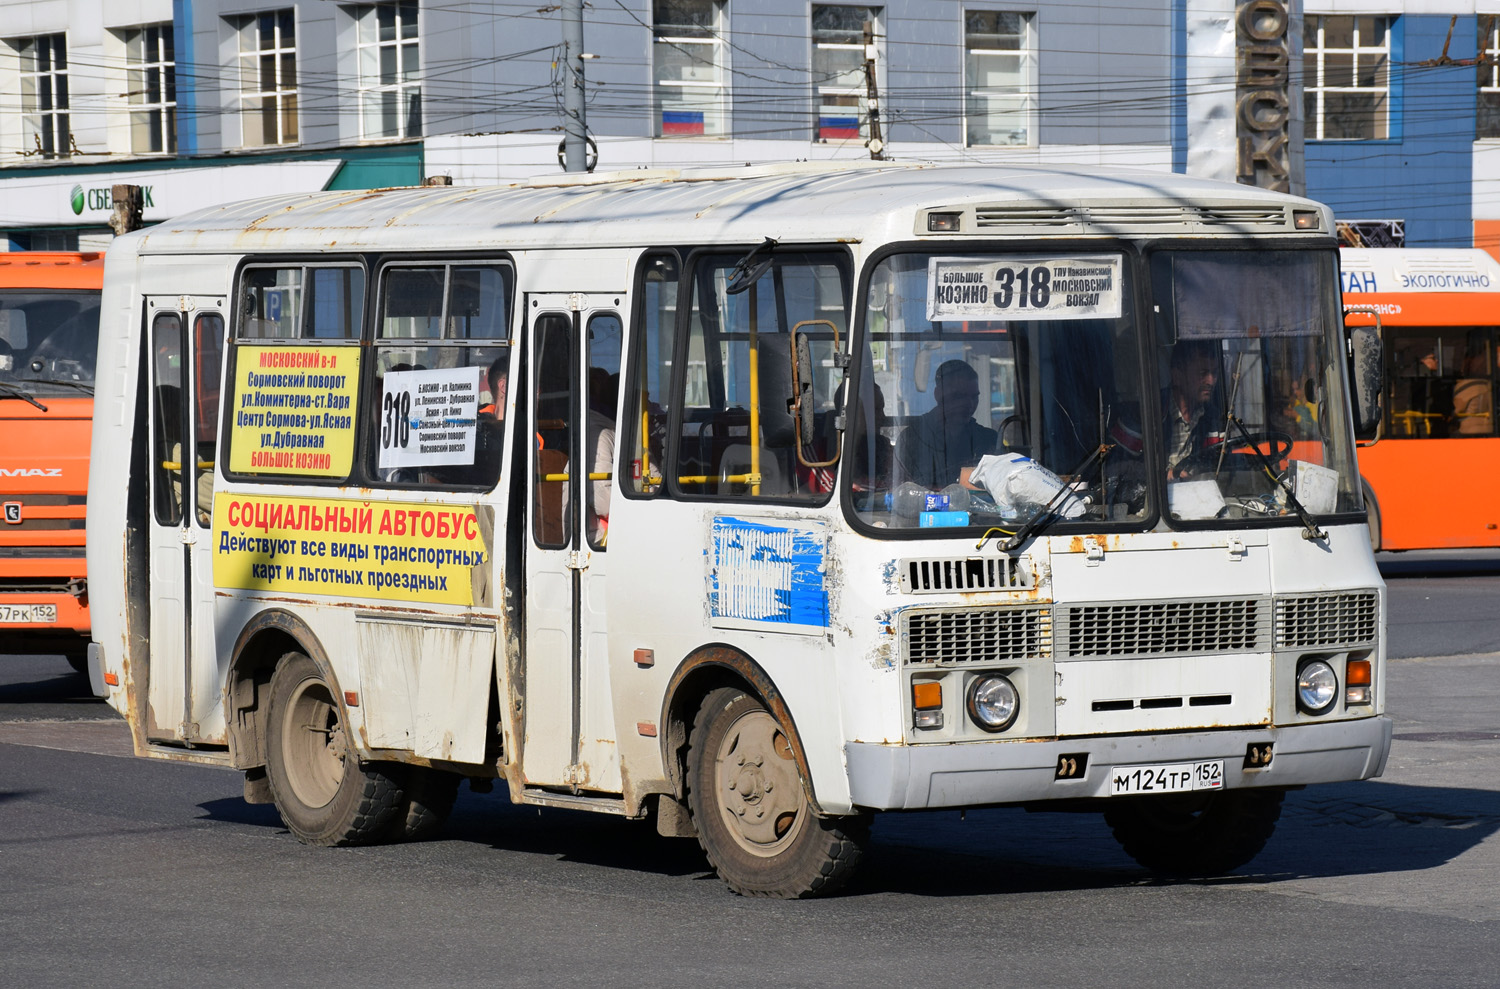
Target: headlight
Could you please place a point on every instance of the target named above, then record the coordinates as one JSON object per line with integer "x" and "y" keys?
{"x": 993, "y": 702}
{"x": 1317, "y": 686}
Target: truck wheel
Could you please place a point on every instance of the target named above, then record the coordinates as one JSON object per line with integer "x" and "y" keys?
{"x": 751, "y": 813}
{"x": 326, "y": 796}
{"x": 1195, "y": 834}
{"x": 430, "y": 794}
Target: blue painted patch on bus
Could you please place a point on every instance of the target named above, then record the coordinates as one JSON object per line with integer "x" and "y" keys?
{"x": 766, "y": 573}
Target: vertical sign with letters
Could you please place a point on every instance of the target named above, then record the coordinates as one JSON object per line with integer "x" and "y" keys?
{"x": 1263, "y": 108}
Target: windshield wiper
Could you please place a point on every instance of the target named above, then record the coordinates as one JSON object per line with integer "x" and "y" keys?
{"x": 1310, "y": 528}
{"x": 81, "y": 386}
{"x": 21, "y": 393}
{"x": 1048, "y": 513}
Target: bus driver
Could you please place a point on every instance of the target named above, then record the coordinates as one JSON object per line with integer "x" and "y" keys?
{"x": 946, "y": 438}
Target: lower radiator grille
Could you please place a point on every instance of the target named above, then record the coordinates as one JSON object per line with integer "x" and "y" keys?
{"x": 978, "y": 635}
{"x": 1163, "y": 628}
{"x": 1311, "y": 621}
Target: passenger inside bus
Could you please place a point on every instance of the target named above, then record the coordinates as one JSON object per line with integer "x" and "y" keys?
{"x": 1472, "y": 401}
{"x": 945, "y": 439}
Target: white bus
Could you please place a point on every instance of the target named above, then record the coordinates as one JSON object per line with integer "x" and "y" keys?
{"x": 754, "y": 501}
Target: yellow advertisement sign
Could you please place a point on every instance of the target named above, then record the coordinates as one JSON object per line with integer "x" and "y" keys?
{"x": 401, "y": 552}
{"x": 294, "y": 410}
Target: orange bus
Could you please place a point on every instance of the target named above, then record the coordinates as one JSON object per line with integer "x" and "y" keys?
{"x": 49, "y": 330}
{"x": 1433, "y": 479}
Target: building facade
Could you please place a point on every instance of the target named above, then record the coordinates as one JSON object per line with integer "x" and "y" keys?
{"x": 1388, "y": 111}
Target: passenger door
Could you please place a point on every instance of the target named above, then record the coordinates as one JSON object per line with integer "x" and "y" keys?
{"x": 186, "y": 338}
{"x": 574, "y": 360}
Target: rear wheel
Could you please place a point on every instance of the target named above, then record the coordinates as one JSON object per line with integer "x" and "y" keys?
{"x": 751, "y": 812}
{"x": 430, "y": 794}
{"x": 326, "y": 796}
{"x": 1195, "y": 834}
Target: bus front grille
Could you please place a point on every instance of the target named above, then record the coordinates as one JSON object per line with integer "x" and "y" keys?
{"x": 1307, "y": 621}
{"x": 947, "y": 575}
{"x": 1163, "y": 628}
{"x": 977, "y": 635}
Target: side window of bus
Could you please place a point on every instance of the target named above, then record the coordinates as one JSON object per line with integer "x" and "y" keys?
{"x": 293, "y": 374}
{"x": 739, "y": 438}
{"x": 442, "y": 354}
{"x": 1441, "y": 382}
{"x": 166, "y": 381}
{"x": 208, "y": 355}
{"x": 603, "y": 389}
{"x": 654, "y": 341}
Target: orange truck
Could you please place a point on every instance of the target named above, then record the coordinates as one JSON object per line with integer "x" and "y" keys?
{"x": 49, "y": 333}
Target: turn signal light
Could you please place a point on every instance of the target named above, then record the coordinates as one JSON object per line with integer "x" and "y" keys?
{"x": 1357, "y": 682}
{"x": 928, "y": 695}
{"x": 927, "y": 704}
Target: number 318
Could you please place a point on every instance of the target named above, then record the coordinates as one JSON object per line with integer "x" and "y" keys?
{"x": 1031, "y": 286}
{"x": 396, "y": 429}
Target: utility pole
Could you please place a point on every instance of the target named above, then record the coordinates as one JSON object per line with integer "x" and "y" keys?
{"x": 575, "y": 150}
{"x": 876, "y": 143}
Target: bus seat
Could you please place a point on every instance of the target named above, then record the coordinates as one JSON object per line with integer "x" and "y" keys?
{"x": 549, "y": 497}
{"x": 736, "y": 460}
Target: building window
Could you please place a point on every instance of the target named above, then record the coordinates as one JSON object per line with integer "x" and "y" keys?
{"x": 1347, "y": 84}
{"x": 841, "y": 90}
{"x": 1488, "y": 122}
{"x": 390, "y": 96}
{"x": 268, "y": 78}
{"x": 44, "y": 95}
{"x": 689, "y": 59}
{"x": 151, "y": 89}
{"x": 999, "y": 78}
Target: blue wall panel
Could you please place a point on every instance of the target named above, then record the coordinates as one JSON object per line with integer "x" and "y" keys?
{"x": 1423, "y": 173}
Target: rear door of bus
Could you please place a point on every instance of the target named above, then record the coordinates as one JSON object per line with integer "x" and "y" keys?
{"x": 574, "y": 359}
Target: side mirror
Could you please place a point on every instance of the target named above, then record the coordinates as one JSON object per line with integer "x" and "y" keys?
{"x": 1366, "y": 374}
{"x": 803, "y": 404}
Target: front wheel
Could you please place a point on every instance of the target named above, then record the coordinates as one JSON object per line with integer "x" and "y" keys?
{"x": 326, "y": 796}
{"x": 1195, "y": 834}
{"x": 751, "y": 813}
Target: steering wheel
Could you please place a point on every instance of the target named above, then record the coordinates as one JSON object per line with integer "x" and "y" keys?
{"x": 1207, "y": 461}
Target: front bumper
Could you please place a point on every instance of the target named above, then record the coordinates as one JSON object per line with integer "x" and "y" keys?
{"x": 968, "y": 774}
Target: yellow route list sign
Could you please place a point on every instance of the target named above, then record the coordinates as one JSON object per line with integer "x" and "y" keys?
{"x": 397, "y": 551}
{"x": 294, "y": 410}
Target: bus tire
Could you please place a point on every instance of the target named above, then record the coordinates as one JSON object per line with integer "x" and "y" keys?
{"x": 752, "y": 815}
{"x": 325, "y": 795}
{"x": 1195, "y": 834}
{"x": 430, "y": 794}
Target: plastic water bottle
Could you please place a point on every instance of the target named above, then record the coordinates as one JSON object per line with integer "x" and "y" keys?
{"x": 909, "y": 499}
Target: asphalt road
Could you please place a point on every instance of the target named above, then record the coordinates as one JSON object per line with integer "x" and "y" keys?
{"x": 126, "y": 872}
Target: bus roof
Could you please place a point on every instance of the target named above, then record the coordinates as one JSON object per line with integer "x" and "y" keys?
{"x": 798, "y": 202}
{"x": 51, "y": 269}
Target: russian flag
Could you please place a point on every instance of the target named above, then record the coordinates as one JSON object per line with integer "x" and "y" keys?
{"x": 681, "y": 123}
{"x": 838, "y": 128}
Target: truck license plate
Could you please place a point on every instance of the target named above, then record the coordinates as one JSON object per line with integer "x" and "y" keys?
{"x": 16, "y": 614}
{"x": 1181, "y": 777}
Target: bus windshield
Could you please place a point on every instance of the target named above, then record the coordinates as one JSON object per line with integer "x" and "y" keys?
{"x": 48, "y": 340}
{"x": 1253, "y": 421}
{"x": 998, "y": 386}
{"x": 988, "y": 383}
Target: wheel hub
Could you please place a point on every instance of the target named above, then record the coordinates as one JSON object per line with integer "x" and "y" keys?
{"x": 759, "y": 792}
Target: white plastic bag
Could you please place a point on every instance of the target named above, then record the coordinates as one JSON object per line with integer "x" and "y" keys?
{"x": 1020, "y": 485}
